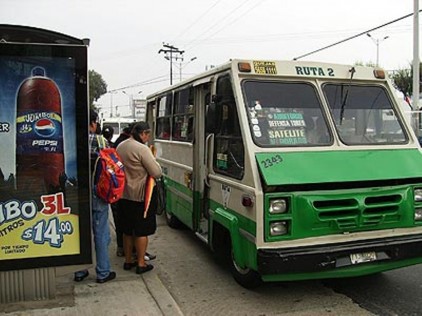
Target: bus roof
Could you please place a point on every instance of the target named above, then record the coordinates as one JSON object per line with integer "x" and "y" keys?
{"x": 296, "y": 69}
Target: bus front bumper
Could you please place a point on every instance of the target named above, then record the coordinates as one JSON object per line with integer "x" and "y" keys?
{"x": 330, "y": 257}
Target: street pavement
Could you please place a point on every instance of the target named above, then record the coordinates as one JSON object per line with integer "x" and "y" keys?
{"x": 129, "y": 294}
{"x": 185, "y": 281}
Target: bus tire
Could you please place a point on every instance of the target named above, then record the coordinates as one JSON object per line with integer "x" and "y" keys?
{"x": 246, "y": 277}
{"x": 172, "y": 221}
{"x": 223, "y": 250}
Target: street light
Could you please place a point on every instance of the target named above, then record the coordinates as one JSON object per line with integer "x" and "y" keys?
{"x": 111, "y": 102}
{"x": 131, "y": 103}
{"x": 181, "y": 66}
{"x": 377, "y": 43}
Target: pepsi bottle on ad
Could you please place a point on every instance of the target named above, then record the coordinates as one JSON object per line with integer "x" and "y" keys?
{"x": 39, "y": 140}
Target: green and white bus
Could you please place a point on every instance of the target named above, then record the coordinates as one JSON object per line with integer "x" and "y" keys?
{"x": 294, "y": 170}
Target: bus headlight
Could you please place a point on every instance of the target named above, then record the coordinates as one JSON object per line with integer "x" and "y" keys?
{"x": 418, "y": 214}
{"x": 278, "y": 206}
{"x": 279, "y": 228}
{"x": 418, "y": 195}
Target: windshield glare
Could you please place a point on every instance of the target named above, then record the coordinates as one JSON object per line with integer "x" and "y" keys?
{"x": 285, "y": 114}
{"x": 363, "y": 114}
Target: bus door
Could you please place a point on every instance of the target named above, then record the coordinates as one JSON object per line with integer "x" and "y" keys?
{"x": 202, "y": 93}
{"x": 224, "y": 149}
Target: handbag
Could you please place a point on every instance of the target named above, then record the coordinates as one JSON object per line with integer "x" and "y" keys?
{"x": 159, "y": 195}
{"x": 157, "y": 199}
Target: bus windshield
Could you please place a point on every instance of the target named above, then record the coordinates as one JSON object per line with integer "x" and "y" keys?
{"x": 364, "y": 115}
{"x": 285, "y": 114}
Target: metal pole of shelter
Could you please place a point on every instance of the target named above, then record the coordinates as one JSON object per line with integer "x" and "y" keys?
{"x": 416, "y": 62}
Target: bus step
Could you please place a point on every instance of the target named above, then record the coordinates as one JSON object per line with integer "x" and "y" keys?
{"x": 202, "y": 236}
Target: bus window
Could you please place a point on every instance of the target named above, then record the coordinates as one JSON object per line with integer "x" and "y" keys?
{"x": 228, "y": 143}
{"x": 163, "y": 117}
{"x": 183, "y": 115}
{"x": 123, "y": 126}
{"x": 285, "y": 114}
{"x": 364, "y": 115}
{"x": 115, "y": 126}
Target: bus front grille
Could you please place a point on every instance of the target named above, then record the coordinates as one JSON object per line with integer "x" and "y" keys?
{"x": 349, "y": 213}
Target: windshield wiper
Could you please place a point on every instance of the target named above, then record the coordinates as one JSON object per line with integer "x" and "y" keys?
{"x": 343, "y": 102}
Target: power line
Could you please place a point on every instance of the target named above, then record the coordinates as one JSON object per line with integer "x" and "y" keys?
{"x": 354, "y": 36}
{"x": 198, "y": 19}
{"x": 230, "y": 23}
{"x": 301, "y": 35}
{"x": 218, "y": 22}
{"x": 143, "y": 83}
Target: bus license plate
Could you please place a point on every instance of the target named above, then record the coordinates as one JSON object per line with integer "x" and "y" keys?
{"x": 356, "y": 258}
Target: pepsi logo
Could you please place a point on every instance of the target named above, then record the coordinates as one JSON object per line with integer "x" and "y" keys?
{"x": 45, "y": 127}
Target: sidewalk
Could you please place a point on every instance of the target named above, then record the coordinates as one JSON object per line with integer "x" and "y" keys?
{"x": 129, "y": 294}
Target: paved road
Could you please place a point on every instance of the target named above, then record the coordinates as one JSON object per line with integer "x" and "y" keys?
{"x": 396, "y": 292}
{"x": 201, "y": 286}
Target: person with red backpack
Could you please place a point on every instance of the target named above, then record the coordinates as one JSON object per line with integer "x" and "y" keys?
{"x": 139, "y": 163}
{"x": 100, "y": 210}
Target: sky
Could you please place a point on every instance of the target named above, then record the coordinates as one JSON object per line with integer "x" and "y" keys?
{"x": 126, "y": 35}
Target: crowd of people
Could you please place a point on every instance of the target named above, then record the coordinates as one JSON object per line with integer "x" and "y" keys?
{"x": 133, "y": 224}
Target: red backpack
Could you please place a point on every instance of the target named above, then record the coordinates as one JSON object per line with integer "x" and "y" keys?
{"x": 109, "y": 180}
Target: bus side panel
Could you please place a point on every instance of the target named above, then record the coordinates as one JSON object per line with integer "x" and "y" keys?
{"x": 226, "y": 209}
{"x": 176, "y": 161}
{"x": 179, "y": 202}
{"x": 240, "y": 230}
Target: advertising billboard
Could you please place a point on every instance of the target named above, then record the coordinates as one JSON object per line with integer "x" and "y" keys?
{"x": 44, "y": 159}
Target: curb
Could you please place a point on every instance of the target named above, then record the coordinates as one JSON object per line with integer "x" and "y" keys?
{"x": 161, "y": 295}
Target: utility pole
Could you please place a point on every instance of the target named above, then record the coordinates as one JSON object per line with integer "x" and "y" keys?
{"x": 171, "y": 53}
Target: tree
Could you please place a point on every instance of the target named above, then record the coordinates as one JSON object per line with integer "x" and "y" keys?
{"x": 403, "y": 80}
{"x": 97, "y": 87}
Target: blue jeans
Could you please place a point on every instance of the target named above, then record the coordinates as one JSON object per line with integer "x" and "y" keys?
{"x": 101, "y": 231}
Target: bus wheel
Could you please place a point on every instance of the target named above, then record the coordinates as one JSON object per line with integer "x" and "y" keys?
{"x": 246, "y": 277}
{"x": 172, "y": 220}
